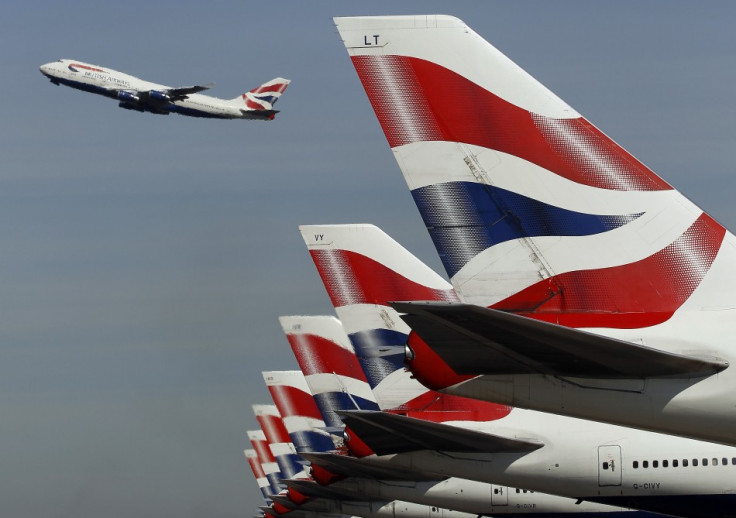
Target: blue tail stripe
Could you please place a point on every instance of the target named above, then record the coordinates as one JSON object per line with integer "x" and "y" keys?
{"x": 268, "y": 98}
{"x": 330, "y": 402}
{"x": 310, "y": 441}
{"x": 273, "y": 480}
{"x": 289, "y": 465}
{"x": 465, "y": 218}
{"x": 371, "y": 348}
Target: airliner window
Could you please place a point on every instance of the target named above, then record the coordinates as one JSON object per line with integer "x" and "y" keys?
{"x": 645, "y": 464}
{"x": 605, "y": 465}
{"x": 724, "y": 461}
{"x": 684, "y": 463}
{"x": 695, "y": 462}
{"x": 715, "y": 462}
{"x": 655, "y": 463}
{"x": 733, "y": 461}
{"x": 674, "y": 463}
{"x": 705, "y": 462}
{"x": 665, "y": 463}
{"x": 636, "y": 464}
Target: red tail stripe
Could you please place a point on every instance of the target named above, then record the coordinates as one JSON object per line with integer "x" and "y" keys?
{"x": 293, "y": 402}
{"x": 317, "y": 355}
{"x": 352, "y": 278}
{"x": 634, "y": 295}
{"x": 273, "y": 428}
{"x": 263, "y": 451}
{"x": 278, "y": 87}
{"x": 256, "y": 467}
{"x": 441, "y": 105}
{"x": 252, "y": 104}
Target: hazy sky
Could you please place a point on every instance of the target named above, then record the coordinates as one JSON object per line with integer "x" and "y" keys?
{"x": 145, "y": 259}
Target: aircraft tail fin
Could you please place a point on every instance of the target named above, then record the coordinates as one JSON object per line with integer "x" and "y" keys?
{"x": 298, "y": 410}
{"x": 278, "y": 439}
{"x": 363, "y": 269}
{"x": 531, "y": 208}
{"x": 259, "y": 101}
{"x": 330, "y": 367}
{"x": 263, "y": 484}
{"x": 268, "y": 462}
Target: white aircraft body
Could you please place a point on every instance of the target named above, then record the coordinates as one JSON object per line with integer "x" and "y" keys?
{"x": 590, "y": 286}
{"x": 441, "y": 497}
{"x": 363, "y": 269}
{"x": 143, "y": 96}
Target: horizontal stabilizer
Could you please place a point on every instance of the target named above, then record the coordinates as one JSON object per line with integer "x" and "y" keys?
{"x": 269, "y": 511}
{"x": 314, "y": 489}
{"x": 354, "y": 467}
{"x": 284, "y": 500}
{"x": 477, "y": 340}
{"x": 387, "y": 433}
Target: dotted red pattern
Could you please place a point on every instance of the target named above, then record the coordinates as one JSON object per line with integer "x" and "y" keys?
{"x": 640, "y": 294}
{"x": 352, "y": 278}
{"x": 416, "y": 100}
{"x": 273, "y": 428}
{"x": 317, "y": 355}
{"x": 293, "y": 402}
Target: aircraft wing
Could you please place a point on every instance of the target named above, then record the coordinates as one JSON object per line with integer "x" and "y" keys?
{"x": 477, "y": 340}
{"x": 178, "y": 94}
{"x": 386, "y": 433}
{"x": 157, "y": 98}
{"x": 354, "y": 467}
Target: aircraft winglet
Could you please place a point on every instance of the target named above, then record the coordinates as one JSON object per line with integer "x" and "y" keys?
{"x": 386, "y": 433}
{"x": 477, "y": 340}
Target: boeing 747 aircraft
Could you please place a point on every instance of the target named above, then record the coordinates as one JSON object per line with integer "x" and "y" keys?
{"x": 136, "y": 94}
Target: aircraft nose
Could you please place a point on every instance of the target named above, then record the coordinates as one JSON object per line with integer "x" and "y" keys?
{"x": 45, "y": 69}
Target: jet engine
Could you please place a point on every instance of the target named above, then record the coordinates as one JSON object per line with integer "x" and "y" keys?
{"x": 158, "y": 95}
{"x": 128, "y": 97}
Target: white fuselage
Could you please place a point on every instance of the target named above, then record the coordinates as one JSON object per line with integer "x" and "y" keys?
{"x": 468, "y": 496}
{"x": 594, "y": 461}
{"x": 124, "y": 87}
{"x": 507, "y": 503}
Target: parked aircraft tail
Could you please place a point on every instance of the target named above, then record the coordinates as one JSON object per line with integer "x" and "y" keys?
{"x": 532, "y": 209}
{"x": 267, "y": 460}
{"x": 330, "y": 367}
{"x": 263, "y": 484}
{"x": 363, "y": 269}
{"x": 299, "y": 412}
{"x": 279, "y": 441}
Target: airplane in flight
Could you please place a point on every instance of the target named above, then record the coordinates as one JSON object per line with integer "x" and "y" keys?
{"x": 590, "y": 287}
{"x": 136, "y": 94}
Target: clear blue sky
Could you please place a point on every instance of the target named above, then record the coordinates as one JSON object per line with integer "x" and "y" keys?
{"x": 144, "y": 259}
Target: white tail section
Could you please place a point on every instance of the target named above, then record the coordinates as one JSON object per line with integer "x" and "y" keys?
{"x": 531, "y": 208}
